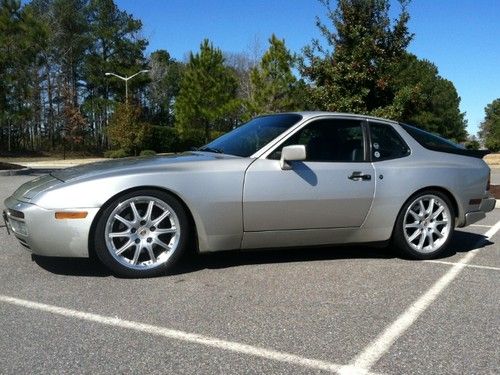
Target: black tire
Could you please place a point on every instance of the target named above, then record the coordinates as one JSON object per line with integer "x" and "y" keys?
{"x": 401, "y": 239}
{"x": 118, "y": 263}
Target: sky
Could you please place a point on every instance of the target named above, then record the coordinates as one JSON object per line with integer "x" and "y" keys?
{"x": 461, "y": 37}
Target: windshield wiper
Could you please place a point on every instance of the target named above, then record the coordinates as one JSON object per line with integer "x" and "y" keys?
{"x": 211, "y": 149}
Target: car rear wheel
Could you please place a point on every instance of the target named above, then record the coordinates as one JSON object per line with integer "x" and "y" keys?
{"x": 142, "y": 234}
{"x": 425, "y": 225}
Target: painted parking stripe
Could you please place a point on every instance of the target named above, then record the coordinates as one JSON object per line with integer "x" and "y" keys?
{"x": 466, "y": 265}
{"x": 381, "y": 344}
{"x": 490, "y": 233}
{"x": 193, "y": 338}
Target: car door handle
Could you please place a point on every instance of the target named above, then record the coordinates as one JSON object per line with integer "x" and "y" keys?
{"x": 359, "y": 176}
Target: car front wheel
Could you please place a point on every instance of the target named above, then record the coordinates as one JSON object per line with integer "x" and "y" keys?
{"x": 425, "y": 225}
{"x": 141, "y": 234}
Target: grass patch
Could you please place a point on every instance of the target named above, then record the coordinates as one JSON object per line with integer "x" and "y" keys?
{"x": 493, "y": 160}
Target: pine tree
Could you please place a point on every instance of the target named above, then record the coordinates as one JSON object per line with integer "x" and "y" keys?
{"x": 116, "y": 47}
{"x": 207, "y": 98}
{"x": 274, "y": 86}
{"x": 21, "y": 38}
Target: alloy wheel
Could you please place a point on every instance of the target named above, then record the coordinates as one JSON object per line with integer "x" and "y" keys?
{"x": 142, "y": 232}
{"x": 427, "y": 223}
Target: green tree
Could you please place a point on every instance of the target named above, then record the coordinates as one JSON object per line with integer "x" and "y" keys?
{"x": 472, "y": 143}
{"x": 207, "y": 98}
{"x": 357, "y": 75}
{"x": 117, "y": 47}
{"x": 166, "y": 76}
{"x": 125, "y": 130}
{"x": 21, "y": 38}
{"x": 369, "y": 71}
{"x": 490, "y": 127}
{"x": 426, "y": 99}
{"x": 274, "y": 86}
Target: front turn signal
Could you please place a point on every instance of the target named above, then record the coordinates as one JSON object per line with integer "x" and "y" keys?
{"x": 71, "y": 215}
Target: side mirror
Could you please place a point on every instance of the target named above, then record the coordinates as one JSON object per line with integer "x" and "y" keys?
{"x": 291, "y": 153}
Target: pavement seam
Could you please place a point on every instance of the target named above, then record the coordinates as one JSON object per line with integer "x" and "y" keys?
{"x": 372, "y": 353}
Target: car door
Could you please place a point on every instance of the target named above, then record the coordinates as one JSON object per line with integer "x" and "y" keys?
{"x": 332, "y": 188}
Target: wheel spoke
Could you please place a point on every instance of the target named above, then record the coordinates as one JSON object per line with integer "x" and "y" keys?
{"x": 442, "y": 222}
{"x": 438, "y": 233}
{"x": 437, "y": 213}
{"x": 119, "y": 234}
{"x": 422, "y": 208}
{"x": 147, "y": 217}
{"x": 124, "y": 247}
{"x": 160, "y": 218}
{"x": 414, "y": 235}
{"x": 162, "y": 244}
{"x": 422, "y": 240}
{"x": 431, "y": 239}
{"x": 431, "y": 205}
{"x": 137, "y": 252}
{"x": 134, "y": 211}
{"x": 127, "y": 223}
{"x": 165, "y": 230}
{"x": 412, "y": 225}
{"x": 414, "y": 214}
{"x": 152, "y": 256}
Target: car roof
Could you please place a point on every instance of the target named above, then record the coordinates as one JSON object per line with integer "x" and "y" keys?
{"x": 312, "y": 114}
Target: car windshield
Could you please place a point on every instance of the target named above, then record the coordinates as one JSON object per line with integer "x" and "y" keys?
{"x": 249, "y": 138}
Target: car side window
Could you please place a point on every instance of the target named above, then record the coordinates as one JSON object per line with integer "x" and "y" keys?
{"x": 386, "y": 143}
{"x": 328, "y": 140}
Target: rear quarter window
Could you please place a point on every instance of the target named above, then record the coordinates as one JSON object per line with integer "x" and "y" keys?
{"x": 430, "y": 141}
{"x": 386, "y": 143}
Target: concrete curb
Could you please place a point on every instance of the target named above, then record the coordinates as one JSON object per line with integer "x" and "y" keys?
{"x": 497, "y": 205}
{"x": 15, "y": 172}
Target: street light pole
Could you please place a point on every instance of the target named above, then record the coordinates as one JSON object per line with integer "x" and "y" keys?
{"x": 126, "y": 79}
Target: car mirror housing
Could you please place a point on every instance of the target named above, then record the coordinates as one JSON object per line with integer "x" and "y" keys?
{"x": 292, "y": 153}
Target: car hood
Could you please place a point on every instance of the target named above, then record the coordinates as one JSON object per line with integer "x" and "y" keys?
{"x": 133, "y": 165}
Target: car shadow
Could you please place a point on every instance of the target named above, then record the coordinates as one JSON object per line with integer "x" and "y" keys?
{"x": 72, "y": 266}
{"x": 462, "y": 242}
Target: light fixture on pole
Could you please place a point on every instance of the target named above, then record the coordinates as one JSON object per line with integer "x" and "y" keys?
{"x": 126, "y": 79}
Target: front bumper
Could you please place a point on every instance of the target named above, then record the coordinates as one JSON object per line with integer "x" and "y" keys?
{"x": 487, "y": 205}
{"x": 38, "y": 230}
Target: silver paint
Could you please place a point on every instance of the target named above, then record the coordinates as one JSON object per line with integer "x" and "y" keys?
{"x": 240, "y": 203}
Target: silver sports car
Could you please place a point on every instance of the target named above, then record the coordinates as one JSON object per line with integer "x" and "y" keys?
{"x": 284, "y": 180}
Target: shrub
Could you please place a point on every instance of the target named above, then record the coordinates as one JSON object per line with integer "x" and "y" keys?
{"x": 116, "y": 154}
{"x": 147, "y": 153}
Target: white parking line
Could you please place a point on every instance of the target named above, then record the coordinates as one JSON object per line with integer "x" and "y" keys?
{"x": 180, "y": 335}
{"x": 466, "y": 265}
{"x": 378, "y": 347}
{"x": 480, "y": 225}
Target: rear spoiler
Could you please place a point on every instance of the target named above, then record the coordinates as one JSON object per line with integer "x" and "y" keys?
{"x": 477, "y": 153}
{"x": 461, "y": 151}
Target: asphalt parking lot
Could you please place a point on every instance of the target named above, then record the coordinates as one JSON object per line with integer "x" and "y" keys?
{"x": 345, "y": 310}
